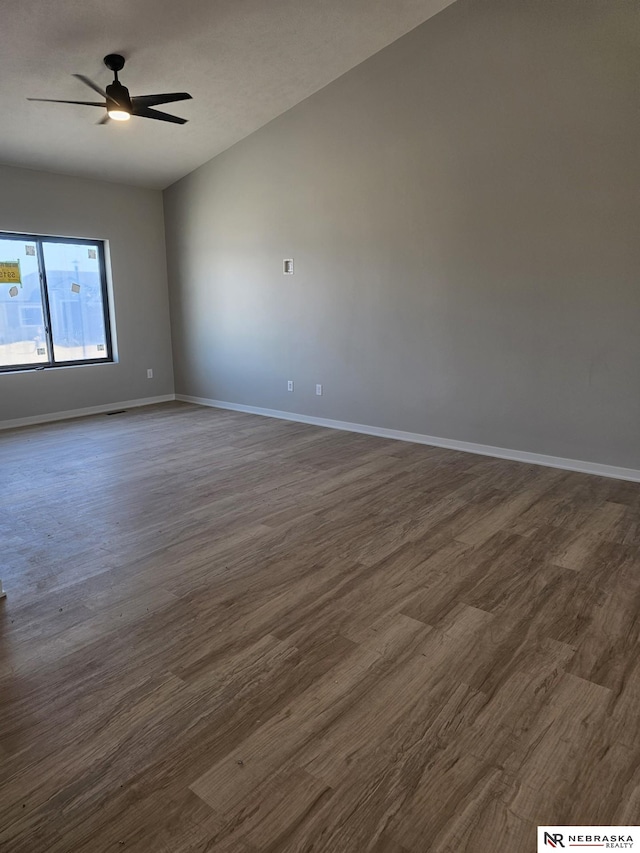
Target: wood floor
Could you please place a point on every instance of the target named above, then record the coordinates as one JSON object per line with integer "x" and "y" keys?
{"x": 235, "y": 634}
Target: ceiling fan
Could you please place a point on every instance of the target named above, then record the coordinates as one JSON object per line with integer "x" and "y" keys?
{"x": 119, "y": 105}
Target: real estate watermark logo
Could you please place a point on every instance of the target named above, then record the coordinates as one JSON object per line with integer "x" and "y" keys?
{"x": 554, "y": 840}
{"x": 588, "y": 838}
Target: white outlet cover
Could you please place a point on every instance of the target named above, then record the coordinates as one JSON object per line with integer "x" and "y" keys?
{"x": 319, "y": 390}
{"x": 287, "y": 266}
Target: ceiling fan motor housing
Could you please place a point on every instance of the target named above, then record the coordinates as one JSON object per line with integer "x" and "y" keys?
{"x": 120, "y": 94}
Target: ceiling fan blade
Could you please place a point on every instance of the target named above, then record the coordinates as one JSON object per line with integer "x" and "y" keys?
{"x": 54, "y": 101}
{"x": 145, "y": 112}
{"x": 143, "y": 101}
{"x": 91, "y": 85}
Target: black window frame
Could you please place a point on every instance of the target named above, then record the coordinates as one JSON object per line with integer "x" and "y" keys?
{"x": 39, "y": 239}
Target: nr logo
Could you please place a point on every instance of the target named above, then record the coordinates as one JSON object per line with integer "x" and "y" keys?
{"x": 554, "y": 840}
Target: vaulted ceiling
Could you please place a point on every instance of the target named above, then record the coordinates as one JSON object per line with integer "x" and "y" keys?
{"x": 244, "y": 61}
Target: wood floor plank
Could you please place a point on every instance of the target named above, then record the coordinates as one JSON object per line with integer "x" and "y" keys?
{"x": 270, "y": 747}
{"x": 287, "y": 799}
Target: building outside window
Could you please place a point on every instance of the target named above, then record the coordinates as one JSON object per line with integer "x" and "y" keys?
{"x": 54, "y": 307}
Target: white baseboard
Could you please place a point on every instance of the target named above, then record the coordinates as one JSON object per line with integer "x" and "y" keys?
{"x": 89, "y": 410}
{"x": 582, "y": 467}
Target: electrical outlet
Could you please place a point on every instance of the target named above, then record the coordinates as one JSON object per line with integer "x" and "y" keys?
{"x": 319, "y": 390}
{"x": 290, "y": 385}
{"x": 149, "y": 373}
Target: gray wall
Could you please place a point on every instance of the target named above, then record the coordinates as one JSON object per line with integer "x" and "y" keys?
{"x": 463, "y": 210}
{"x": 132, "y": 221}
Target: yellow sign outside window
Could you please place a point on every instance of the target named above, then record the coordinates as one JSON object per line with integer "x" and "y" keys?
{"x": 10, "y": 272}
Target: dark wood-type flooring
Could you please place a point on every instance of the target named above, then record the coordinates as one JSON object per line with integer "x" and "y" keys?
{"x": 235, "y": 634}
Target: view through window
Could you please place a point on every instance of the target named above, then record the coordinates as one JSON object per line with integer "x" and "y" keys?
{"x": 53, "y": 302}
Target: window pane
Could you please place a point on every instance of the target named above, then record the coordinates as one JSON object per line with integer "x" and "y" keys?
{"x": 22, "y": 331}
{"x": 75, "y": 300}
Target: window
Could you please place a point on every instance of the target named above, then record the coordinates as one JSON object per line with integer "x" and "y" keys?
{"x": 53, "y": 302}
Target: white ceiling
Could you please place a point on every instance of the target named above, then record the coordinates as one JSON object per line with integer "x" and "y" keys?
{"x": 244, "y": 62}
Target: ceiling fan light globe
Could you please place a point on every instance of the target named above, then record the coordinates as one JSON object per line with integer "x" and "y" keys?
{"x": 119, "y": 115}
